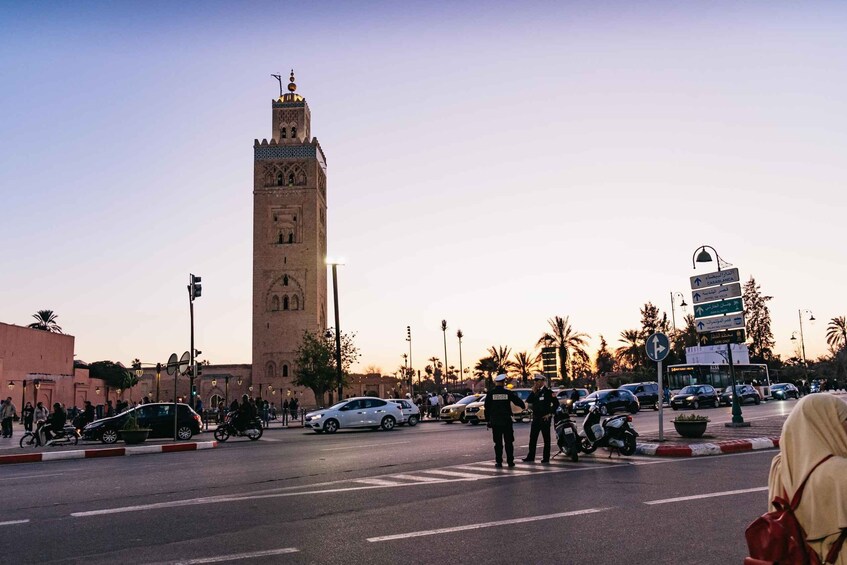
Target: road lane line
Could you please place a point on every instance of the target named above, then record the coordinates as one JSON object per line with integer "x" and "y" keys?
{"x": 231, "y": 557}
{"x": 365, "y": 445}
{"x": 379, "y": 482}
{"x": 457, "y": 474}
{"x": 31, "y": 476}
{"x": 13, "y": 522}
{"x": 419, "y": 478}
{"x": 710, "y": 495}
{"x": 486, "y": 525}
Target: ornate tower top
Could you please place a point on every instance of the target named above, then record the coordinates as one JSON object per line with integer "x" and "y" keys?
{"x": 291, "y": 97}
{"x": 291, "y": 86}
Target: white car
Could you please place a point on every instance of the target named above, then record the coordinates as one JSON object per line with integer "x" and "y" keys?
{"x": 361, "y": 412}
{"x": 411, "y": 413}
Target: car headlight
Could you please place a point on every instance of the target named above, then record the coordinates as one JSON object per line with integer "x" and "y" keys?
{"x": 317, "y": 416}
{"x": 690, "y": 398}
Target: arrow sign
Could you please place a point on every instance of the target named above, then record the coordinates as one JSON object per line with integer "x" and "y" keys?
{"x": 717, "y": 308}
{"x": 714, "y": 279}
{"x": 716, "y": 293}
{"x": 722, "y": 323}
{"x": 658, "y": 346}
{"x": 721, "y": 338}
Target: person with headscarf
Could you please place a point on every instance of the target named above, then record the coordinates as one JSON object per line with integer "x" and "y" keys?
{"x": 815, "y": 429}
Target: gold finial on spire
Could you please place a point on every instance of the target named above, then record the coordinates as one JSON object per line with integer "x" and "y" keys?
{"x": 291, "y": 86}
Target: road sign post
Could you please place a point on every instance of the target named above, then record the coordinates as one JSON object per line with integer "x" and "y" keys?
{"x": 658, "y": 346}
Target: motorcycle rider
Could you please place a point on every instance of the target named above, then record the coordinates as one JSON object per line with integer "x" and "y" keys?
{"x": 246, "y": 412}
{"x": 544, "y": 404}
{"x": 55, "y": 423}
{"x": 498, "y": 412}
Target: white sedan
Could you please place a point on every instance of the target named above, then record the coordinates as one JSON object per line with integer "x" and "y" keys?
{"x": 361, "y": 412}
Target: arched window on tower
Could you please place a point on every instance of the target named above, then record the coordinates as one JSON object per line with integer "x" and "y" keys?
{"x": 279, "y": 179}
{"x": 291, "y": 238}
{"x": 293, "y": 132}
{"x": 270, "y": 370}
{"x": 281, "y": 238}
{"x": 295, "y": 303}
{"x": 285, "y": 370}
{"x": 285, "y": 302}
{"x": 285, "y": 280}
{"x": 275, "y": 303}
{"x": 282, "y": 133}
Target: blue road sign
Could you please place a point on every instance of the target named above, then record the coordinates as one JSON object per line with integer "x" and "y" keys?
{"x": 658, "y": 346}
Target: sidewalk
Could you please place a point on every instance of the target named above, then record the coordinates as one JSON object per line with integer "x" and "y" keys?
{"x": 762, "y": 433}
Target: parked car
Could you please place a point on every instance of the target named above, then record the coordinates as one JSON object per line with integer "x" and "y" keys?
{"x": 411, "y": 413}
{"x": 518, "y": 413}
{"x": 564, "y": 396}
{"x": 609, "y": 401}
{"x": 815, "y": 386}
{"x": 646, "y": 393}
{"x": 694, "y": 396}
{"x": 456, "y": 411}
{"x": 784, "y": 391}
{"x": 359, "y": 412}
{"x": 746, "y": 393}
{"x": 157, "y": 416}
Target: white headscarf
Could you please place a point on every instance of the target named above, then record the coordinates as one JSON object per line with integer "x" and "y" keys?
{"x": 812, "y": 431}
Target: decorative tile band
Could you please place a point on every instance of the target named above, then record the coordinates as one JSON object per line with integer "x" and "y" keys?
{"x": 288, "y": 104}
{"x": 269, "y": 152}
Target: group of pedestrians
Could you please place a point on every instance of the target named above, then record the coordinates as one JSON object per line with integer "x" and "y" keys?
{"x": 430, "y": 404}
{"x": 8, "y": 414}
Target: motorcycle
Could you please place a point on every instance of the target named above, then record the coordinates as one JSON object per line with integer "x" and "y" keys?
{"x": 615, "y": 433}
{"x": 253, "y": 430}
{"x": 567, "y": 436}
{"x": 69, "y": 435}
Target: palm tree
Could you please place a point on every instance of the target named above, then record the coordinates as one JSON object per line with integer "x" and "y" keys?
{"x": 568, "y": 341}
{"x": 629, "y": 354}
{"x": 836, "y": 333}
{"x": 525, "y": 364}
{"x": 436, "y": 371}
{"x": 46, "y": 322}
{"x": 484, "y": 368}
{"x": 501, "y": 355}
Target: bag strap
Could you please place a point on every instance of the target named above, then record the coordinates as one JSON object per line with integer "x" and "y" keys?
{"x": 832, "y": 555}
{"x": 795, "y": 502}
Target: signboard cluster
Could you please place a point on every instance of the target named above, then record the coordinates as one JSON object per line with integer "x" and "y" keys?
{"x": 718, "y": 306}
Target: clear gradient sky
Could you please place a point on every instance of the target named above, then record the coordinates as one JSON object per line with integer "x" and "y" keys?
{"x": 489, "y": 163}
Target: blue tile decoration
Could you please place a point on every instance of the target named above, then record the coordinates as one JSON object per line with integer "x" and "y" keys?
{"x": 289, "y": 104}
{"x": 270, "y": 152}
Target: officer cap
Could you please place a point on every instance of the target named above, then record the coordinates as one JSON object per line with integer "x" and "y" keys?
{"x": 539, "y": 377}
{"x": 500, "y": 378}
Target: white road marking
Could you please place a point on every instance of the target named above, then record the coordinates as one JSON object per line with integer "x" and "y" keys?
{"x": 454, "y": 474}
{"x": 231, "y": 557}
{"x": 365, "y": 445}
{"x": 710, "y": 495}
{"x": 495, "y": 470}
{"x": 486, "y": 525}
{"x": 31, "y": 476}
{"x": 378, "y": 482}
{"x": 419, "y": 478}
{"x": 13, "y": 522}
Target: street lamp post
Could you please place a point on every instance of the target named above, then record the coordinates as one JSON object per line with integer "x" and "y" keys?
{"x": 339, "y": 372}
{"x": 411, "y": 372}
{"x": 702, "y": 256}
{"x": 446, "y": 366}
{"x": 800, "y": 313}
{"x": 673, "y": 301}
{"x": 460, "y": 335}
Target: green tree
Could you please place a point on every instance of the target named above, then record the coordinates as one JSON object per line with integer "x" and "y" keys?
{"x": 435, "y": 371}
{"x": 653, "y": 320}
{"x": 46, "y": 321}
{"x": 686, "y": 337}
{"x": 500, "y": 355}
{"x": 758, "y": 318}
{"x": 315, "y": 362}
{"x": 836, "y": 333}
{"x": 605, "y": 361}
{"x": 485, "y": 369}
{"x": 113, "y": 375}
{"x": 567, "y": 341}
{"x": 525, "y": 364}
{"x": 629, "y": 355}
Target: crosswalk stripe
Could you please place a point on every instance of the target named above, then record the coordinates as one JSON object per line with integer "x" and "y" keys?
{"x": 451, "y": 473}
{"x": 496, "y": 471}
{"x": 419, "y": 479}
{"x": 378, "y": 482}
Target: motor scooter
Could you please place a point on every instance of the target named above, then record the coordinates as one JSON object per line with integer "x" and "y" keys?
{"x": 567, "y": 436}
{"x": 615, "y": 433}
{"x": 68, "y": 435}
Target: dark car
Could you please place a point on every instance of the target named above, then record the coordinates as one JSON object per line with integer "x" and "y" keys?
{"x": 695, "y": 396}
{"x": 564, "y": 396}
{"x": 784, "y": 391}
{"x": 609, "y": 401}
{"x": 646, "y": 393}
{"x": 746, "y": 393}
{"x": 158, "y": 417}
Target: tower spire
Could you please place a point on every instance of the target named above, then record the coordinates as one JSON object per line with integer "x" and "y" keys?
{"x": 291, "y": 85}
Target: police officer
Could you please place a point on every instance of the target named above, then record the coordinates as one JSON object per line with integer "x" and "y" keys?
{"x": 544, "y": 404}
{"x": 498, "y": 412}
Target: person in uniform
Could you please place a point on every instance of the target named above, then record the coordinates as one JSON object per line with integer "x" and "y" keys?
{"x": 544, "y": 404}
{"x": 498, "y": 412}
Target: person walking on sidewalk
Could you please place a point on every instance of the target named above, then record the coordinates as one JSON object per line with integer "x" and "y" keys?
{"x": 815, "y": 429}
{"x": 27, "y": 415}
{"x": 8, "y": 413}
{"x": 498, "y": 412}
{"x": 544, "y": 404}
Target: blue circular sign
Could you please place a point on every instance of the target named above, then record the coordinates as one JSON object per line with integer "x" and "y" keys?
{"x": 658, "y": 346}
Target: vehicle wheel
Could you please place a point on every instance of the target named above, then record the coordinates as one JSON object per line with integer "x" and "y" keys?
{"x": 756, "y": 401}
{"x": 73, "y": 440}
{"x": 221, "y": 434}
{"x": 674, "y": 408}
{"x": 29, "y": 440}
{"x": 184, "y": 433}
{"x": 475, "y": 422}
{"x": 109, "y": 436}
{"x": 331, "y": 426}
{"x": 254, "y": 433}
{"x": 388, "y": 423}
{"x": 413, "y": 421}
{"x": 587, "y": 446}
{"x": 717, "y": 403}
{"x": 696, "y": 405}
{"x": 628, "y": 445}
{"x": 604, "y": 410}
{"x": 462, "y": 419}
{"x": 575, "y": 454}
{"x": 634, "y": 409}
{"x": 656, "y": 407}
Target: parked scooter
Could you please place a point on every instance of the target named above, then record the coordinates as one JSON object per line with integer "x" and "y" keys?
{"x": 68, "y": 435}
{"x": 567, "y": 436}
{"x": 615, "y": 433}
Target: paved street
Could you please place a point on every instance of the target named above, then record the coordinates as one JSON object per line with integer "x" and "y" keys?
{"x": 428, "y": 494}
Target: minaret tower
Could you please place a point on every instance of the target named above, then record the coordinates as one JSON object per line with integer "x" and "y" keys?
{"x": 289, "y": 242}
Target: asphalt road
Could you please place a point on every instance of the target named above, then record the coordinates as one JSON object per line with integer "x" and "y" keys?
{"x": 428, "y": 494}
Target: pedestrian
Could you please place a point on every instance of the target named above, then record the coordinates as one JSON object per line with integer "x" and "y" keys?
{"x": 815, "y": 429}
{"x": 110, "y": 410}
{"x": 498, "y": 412}
{"x": 41, "y": 413}
{"x": 27, "y": 414}
{"x": 8, "y": 415}
{"x": 544, "y": 405}
{"x": 293, "y": 406}
{"x": 574, "y": 399}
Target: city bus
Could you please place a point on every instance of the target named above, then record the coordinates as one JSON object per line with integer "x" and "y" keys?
{"x": 679, "y": 376}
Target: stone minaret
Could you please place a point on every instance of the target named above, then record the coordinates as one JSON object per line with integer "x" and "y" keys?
{"x": 289, "y": 244}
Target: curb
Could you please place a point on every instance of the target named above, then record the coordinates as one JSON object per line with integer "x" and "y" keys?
{"x": 107, "y": 452}
{"x": 703, "y": 449}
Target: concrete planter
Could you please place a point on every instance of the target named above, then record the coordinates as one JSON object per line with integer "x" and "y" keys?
{"x": 690, "y": 429}
{"x": 132, "y": 437}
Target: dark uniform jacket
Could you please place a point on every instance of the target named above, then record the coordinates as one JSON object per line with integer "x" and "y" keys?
{"x": 543, "y": 402}
{"x": 498, "y": 405}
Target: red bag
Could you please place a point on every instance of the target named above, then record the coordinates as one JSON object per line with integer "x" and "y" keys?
{"x": 777, "y": 537}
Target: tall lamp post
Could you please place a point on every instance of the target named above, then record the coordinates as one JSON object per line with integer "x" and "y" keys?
{"x": 446, "y": 366}
{"x": 334, "y": 265}
{"x": 803, "y": 340}
{"x": 411, "y": 371}
{"x": 702, "y": 256}
{"x": 460, "y": 335}
{"x": 674, "y": 295}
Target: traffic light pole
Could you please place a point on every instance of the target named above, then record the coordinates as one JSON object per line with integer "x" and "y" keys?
{"x": 191, "y": 365}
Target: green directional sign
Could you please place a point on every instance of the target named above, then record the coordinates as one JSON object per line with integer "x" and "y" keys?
{"x": 721, "y": 338}
{"x": 717, "y": 308}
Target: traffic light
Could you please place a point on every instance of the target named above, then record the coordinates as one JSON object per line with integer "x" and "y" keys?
{"x": 198, "y": 369}
{"x": 193, "y": 391}
{"x": 195, "y": 289}
{"x": 408, "y": 333}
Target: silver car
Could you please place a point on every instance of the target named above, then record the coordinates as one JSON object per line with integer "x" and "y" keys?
{"x": 411, "y": 413}
{"x": 361, "y": 412}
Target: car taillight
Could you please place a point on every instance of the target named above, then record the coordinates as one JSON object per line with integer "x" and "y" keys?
{"x": 629, "y": 418}
{"x": 197, "y": 417}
